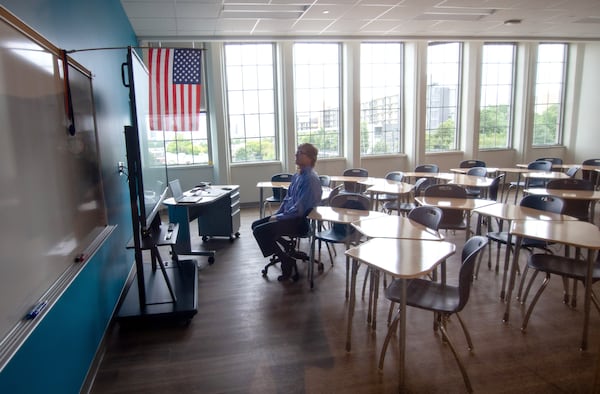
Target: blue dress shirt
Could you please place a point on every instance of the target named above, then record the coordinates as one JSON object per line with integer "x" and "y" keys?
{"x": 303, "y": 195}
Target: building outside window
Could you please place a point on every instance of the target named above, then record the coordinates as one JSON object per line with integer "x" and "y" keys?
{"x": 549, "y": 94}
{"x": 317, "y": 96}
{"x": 443, "y": 92}
{"x": 250, "y": 81}
{"x": 380, "y": 98}
{"x": 497, "y": 95}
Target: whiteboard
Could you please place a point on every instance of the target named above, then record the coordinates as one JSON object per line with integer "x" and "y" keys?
{"x": 51, "y": 204}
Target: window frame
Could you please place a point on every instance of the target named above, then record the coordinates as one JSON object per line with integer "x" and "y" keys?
{"x": 561, "y": 110}
{"x": 340, "y": 101}
{"x": 399, "y": 145}
{"x": 513, "y": 92}
{"x": 457, "y": 135}
{"x": 257, "y": 90}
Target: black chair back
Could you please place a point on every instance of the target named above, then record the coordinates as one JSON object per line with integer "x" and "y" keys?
{"x": 591, "y": 176}
{"x": 543, "y": 203}
{"x": 469, "y": 255}
{"x": 350, "y": 201}
{"x": 472, "y": 163}
{"x": 576, "y": 208}
{"x": 477, "y": 171}
{"x": 538, "y": 165}
{"x": 452, "y": 218}
{"x": 395, "y": 176}
{"x": 495, "y": 187}
{"x": 279, "y": 193}
{"x": 553, "y": 160}
{"x": 433, "y": 168}
{"x": 353, "y": 187}
{"x": 325, "y": 180}
{"x": 429, "y": 217}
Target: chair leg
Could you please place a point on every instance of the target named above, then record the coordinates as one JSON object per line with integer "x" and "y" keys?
{"x": 386, "y": 341}
{"x": 521, "y": 284}
{"x": 463, "y": 371}
{"x": 466, "y": 331}
{"x": 367, "y": 271}
{"x": 534, "y": 301}
{"x": 390, "y": 312}
{"x": 528, "y": 288}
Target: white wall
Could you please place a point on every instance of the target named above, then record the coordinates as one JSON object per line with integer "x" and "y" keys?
{"x": 587, "y": 143}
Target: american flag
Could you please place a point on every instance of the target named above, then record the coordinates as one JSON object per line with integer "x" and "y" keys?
{"x": 174, "y": 89}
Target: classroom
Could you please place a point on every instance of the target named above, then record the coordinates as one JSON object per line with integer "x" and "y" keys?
{"x": 323, "y": 86}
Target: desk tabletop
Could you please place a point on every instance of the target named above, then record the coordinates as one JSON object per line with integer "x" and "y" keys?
{"x": 574, "y": 233}
{"x": 517, "y": 212}
{"x": 268, "y": 184}
{"x": 402, "y": 258}
{"x": 545, "y": 175}
{"x": 209, "y": 195}
{"x": 490, "y": 170}
{"x": 362, "y": 179}
{"x": 454, "y": 203}
{"x": 391, "y": 187}
{"x": 592, "y": 195}
{"x": 341, "y": 215}
{"x": 469, "y": 180}
{"x": 398, "y": 227}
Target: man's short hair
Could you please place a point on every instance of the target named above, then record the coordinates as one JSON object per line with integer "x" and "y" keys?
{"x": 309, "y": 150}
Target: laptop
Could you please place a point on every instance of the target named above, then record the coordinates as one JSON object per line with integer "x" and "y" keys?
{"x": 178, "y": 195}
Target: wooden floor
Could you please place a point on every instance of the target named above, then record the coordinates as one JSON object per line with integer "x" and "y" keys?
{"x": 257, "y": 335}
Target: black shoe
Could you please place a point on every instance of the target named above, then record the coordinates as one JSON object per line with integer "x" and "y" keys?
{"x": 287, "y": 267}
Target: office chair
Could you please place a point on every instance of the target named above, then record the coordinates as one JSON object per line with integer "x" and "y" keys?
{"x": 442, "y": 299}
{"x": 278, "y": 193}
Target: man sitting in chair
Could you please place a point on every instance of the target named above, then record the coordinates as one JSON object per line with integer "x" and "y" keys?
{"x": 303, "y": 194}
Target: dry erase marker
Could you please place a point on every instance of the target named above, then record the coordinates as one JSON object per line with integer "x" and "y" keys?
{"x": 36, "y": 310}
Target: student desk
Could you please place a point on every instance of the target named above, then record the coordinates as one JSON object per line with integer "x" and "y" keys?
{"x": 333, "y": 215}
{"x": 511, "y": 212}
{"x": 465, "y": 204}
{"x": 267, "y": 185}
{"x": 575, "y": 233}
{"x": 217, "y": 212}
{"x": 394, "y": 227}
{"x": 386, "y": 186}
{"x": 403, "y": 259}
{"x": 588, "y": 195}
{"x": 490, "y": 170}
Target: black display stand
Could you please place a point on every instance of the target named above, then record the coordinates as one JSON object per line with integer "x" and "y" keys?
{"x": 161, "y": 290}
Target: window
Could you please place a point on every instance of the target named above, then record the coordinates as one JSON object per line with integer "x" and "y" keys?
{"x": 251, "y": 106}
{"x": 183, "y": 147}
{"x": 317, "y": 96}
{"x": 496, "y": 104}
{"x": 443, "y": 83}
{"x": 549, "y": 91}
{"x": 380, "y": 98}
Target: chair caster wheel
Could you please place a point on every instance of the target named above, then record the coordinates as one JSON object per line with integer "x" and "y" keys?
{"x": 264, "y": 273}
{"x": 295, "y": 277}
{"x": 281, "y": 278}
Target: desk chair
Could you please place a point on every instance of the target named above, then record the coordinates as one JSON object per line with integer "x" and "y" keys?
{"x": 354, "y": 187}
{"x": 325, "y": 180}
{"x": 576, "y": 208}
{"x": 391, "y": 176}
{"x": 429, "y": 217}
{"x": 538, "y": 165}
{"x": 553, "y": 160}
{"x": 539, "y": 202}
{"x": 343, "y": 233}
{"x": 475, "y": 192}
{"x": 408, "y": 205}
{"x": 471, "y": 163}
{"x": 443, "y": 300}
{"x": 278, "y": 193}
{"x": 452, "y": 219}
{"x": 570, "y": 268}
{"x": 572, "y": 171}
{"x": 591, "y": 176}
{"x": 433, "y": 168}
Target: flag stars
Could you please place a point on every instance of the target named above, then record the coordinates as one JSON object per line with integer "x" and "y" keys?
{"x": 186, "y": 66}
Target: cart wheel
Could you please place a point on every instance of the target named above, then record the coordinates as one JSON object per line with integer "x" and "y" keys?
{"x": 264, "y": 273}
{"x": 211, "y": 260}
{"x": 237, "y": 235}
{"x": 231, "y": 238}
{"x": 204, "y": 238}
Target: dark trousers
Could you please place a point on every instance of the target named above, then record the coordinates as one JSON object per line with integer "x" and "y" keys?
{"x": 267, "y": 233}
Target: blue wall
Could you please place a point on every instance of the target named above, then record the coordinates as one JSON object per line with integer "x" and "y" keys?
{"x": 58, "y": 354}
